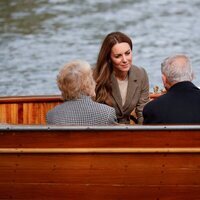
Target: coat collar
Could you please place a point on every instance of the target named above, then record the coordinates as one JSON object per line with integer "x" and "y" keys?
{"x": 183, "y": 85}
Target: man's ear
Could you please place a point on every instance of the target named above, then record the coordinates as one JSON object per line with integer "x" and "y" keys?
{"x": 165, "y": 82}
{"x": 164, "y": 79}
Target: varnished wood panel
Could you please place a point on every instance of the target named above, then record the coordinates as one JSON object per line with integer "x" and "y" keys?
{"x": 30, "y": 109}
{"x": 102, "y": 176}
{"x": 123, "y": 169}
{"x": 97, "y": 192}
{"x": 26, "y": 110}
{"x": 98, "y": 138}
{"x": 105, "y": 174}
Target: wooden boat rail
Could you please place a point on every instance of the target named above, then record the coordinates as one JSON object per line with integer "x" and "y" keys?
{"x": 32, "y": 99}
{"x": 27, "y": 109}
{"x": 30, "y": 109}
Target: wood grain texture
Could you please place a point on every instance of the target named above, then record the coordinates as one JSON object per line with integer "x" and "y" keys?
{"x": 30, "y": 109}
{"x": 99, "y": 150}
{"x": 153, "y": 164}
{"x": 108, "y": 176}
{"x": 26, "y": 110}
{"x": 100, "y": 139}
{"x": 119, "y": 171}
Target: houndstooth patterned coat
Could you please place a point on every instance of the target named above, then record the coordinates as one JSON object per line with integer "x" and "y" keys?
{"x": 83, "y": 111}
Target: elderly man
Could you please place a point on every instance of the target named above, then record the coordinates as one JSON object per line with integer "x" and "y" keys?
{"x": 181, "y": 103}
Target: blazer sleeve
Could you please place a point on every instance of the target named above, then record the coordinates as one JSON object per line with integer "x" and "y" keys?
{"x": 144, "y": 96}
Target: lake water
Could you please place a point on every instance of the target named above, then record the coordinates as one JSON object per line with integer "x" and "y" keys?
{"x": 38, "y": 37}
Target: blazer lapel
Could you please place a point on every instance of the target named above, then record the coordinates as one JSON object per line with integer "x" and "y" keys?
{"x": 115, "y": 92}
{"x": 132, "y": 86}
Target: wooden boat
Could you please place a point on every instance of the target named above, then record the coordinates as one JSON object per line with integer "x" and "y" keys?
{"x": 30, "y": 109}
{"x": 106, "y": 162}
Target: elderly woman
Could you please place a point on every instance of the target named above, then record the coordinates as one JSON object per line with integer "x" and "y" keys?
{"x": 77, "y": 86}
{"x": 121, "y": 84}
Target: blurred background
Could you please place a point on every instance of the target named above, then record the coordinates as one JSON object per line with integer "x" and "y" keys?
{"x": 37, "y": 37}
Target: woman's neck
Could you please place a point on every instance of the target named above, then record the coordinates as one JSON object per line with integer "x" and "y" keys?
{"x": 121, "y": 76}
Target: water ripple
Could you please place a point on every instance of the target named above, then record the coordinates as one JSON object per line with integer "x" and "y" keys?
{"x": 38, "y": 37}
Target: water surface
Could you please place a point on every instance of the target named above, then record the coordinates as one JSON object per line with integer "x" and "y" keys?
{"x": 38, "y": 37}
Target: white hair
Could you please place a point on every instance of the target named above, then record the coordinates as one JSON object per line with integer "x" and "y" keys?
{"x": 75, "y": 79}
{"x": 177, "y": 68}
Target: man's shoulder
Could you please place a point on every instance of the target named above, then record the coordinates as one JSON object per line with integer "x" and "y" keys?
{"x": 158, "y": 101}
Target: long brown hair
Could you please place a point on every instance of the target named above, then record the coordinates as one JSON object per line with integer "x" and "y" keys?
{"x": 104, "y": 68}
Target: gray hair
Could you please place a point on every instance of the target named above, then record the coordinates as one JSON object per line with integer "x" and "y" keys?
{"x": 177, "y": 68}
{"x": 75, "y": 79}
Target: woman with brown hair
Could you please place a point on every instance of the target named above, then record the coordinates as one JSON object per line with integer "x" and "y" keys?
{"x": 119, "y": 83}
